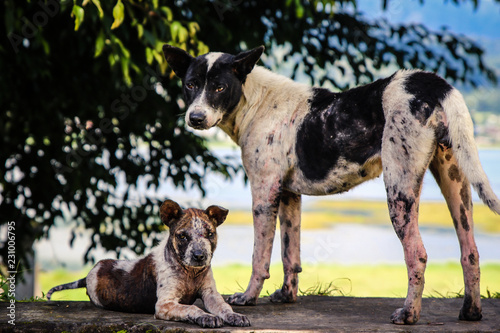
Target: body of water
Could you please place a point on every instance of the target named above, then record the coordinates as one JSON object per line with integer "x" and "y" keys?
{"x": 343, "y": 243}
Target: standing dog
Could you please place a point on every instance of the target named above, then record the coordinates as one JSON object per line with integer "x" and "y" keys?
{"x": 167, "y": 281}
{"x": 301, "y": 140}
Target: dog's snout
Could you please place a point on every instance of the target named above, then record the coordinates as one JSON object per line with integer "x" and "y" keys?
{"x": 197, "y": 118}
{"x": 199, "y": 255}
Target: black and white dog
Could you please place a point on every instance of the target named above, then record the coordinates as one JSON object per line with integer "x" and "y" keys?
{"x": 301, "y": 140}
{"x": 167, "y": 281}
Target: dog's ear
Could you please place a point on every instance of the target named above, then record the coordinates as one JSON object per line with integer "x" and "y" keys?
{"x": 170, "y": 211}
{"x": 217, "y": 213}
{"x": 178, "y": 59}
{"x": 245, "y": 61}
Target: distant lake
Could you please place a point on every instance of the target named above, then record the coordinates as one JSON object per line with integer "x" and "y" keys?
{"x": 341, "y": 243}
{"x": 235, "y": 194}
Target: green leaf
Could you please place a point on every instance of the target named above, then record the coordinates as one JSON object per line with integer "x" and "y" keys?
{"x": 97, "y": 3}
{"x": 78, "y": 13}
{"x": 99, "y": 44}
{"x": 194, "y": 27}
{"x": 140, "y": 31}
{"x": 168, "y": 13}
{"x": 149, "y": 55}
{"x": 125, "y": 62}
{"x": 174, "y": 29}
{"x": 118, "y": 14}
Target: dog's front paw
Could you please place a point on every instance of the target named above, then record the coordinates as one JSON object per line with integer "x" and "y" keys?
{"x": 241, "y": 299}
{"x": 404, "y": 317}
{"x": 283, "y": 297}
{"x": 209, "y": 321}
{"x": 236, "y": 319}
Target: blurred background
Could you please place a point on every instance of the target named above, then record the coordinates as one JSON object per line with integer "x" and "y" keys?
{"x": 93, "y": 135}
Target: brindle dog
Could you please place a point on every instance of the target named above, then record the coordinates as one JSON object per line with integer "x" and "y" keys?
{"x": 168, "y": 280}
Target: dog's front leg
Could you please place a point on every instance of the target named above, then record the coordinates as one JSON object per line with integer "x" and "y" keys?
{"x": 289, "y": 214}
{"x": 265, "y": 202}
{"x": 215, "y": 304}
{"x": 172, "y": 310}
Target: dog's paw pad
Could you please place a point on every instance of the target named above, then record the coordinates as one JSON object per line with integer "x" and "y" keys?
{"x": 241, "y": 299}
{"x": 236, "y": 319}
{"x": 209, "y": 321}
{"x": 404, "y": 317}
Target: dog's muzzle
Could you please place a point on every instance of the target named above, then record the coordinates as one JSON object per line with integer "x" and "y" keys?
{"x": 202, "y": 117}
{"x": 197, "y": 120}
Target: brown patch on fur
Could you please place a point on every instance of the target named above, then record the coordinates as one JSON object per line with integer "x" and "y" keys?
{"x": 454, "y": 173}
{"x": 465, "y": 195}
{"x": 127, "y": 292}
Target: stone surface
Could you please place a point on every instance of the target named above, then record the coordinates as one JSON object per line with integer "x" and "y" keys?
{"x": 310, "y": 313}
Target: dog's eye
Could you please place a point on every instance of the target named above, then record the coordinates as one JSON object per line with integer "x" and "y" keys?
{"x": 210, "y": 234}
{"x": 182, "y": 237}
{"x": 190, "y": 85}
{"x": 220, "y": 89}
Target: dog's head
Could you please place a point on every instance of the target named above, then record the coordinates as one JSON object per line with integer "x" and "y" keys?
{"x": 212, "y": 83}
{"x": 193, "y": 234}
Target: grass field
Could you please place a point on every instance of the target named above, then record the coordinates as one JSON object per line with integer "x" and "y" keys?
{"x": 338, "y": 280}
{"x": 442, "y": 280}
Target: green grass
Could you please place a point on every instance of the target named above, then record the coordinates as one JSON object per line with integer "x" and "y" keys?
{"x": 442, "y": 280}
{"x": 331, "y": 279}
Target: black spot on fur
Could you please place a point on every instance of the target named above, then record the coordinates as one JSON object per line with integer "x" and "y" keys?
{"x": 442, "y": 135}
{"x": 428, "y": 91}
{"x": 270, "y": 139}
{"x": 400, "y": 205}
{"x": 348, "y": 125}
{"x": 286, "y": 243}
{"x": 297, "y": 268}
{"x": 472, "y": 259}
{"x": 463, "y": 218}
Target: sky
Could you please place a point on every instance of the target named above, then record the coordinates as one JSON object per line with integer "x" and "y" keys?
{"x": 484, "y": 22}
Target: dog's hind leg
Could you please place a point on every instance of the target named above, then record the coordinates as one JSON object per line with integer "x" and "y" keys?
{"x": 289, "y": 214}
{"x": 407, "y": 149}
{"x": 457, "y": 192}
{"x": 266, "y": 194}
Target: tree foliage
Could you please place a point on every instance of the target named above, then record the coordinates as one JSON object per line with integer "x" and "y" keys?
{"x": 86, "y": 96}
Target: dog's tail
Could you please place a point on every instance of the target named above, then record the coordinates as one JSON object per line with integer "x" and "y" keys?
{"x": 461, "y": 133}
{"x": 72, "y": 285}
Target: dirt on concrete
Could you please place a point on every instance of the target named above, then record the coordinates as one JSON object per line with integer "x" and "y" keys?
{"x": 310, "y": 313}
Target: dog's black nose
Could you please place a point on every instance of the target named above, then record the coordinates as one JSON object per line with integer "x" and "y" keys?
{"x": 197, "y": 118}
{"x": 199, "y": 255}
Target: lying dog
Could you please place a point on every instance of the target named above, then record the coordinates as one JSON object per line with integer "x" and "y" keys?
{"x": 301, "y": 140}
{"x": 167, "y": 281}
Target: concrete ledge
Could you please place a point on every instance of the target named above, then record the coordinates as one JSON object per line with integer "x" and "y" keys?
{"x": 310, "y": 313}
